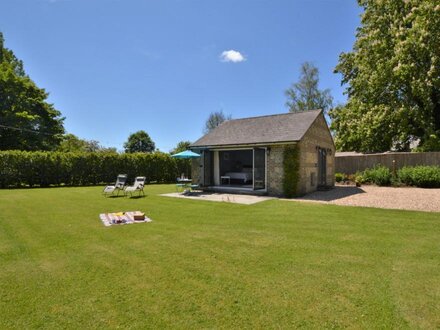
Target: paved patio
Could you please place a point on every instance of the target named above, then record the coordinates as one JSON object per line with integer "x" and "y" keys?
{"x": 402, "y": 198}
{"x": 217, "y": 197}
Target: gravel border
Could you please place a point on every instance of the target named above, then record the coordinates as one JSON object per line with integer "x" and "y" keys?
{"x": 402, "y": 198}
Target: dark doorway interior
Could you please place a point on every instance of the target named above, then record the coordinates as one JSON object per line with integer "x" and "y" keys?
{"x": 236, "y": 168}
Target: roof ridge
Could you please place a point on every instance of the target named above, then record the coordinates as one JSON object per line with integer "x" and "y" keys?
{"x": 274, "y": 115}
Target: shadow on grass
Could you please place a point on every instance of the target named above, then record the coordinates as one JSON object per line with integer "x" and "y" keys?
{"x": 136, "y": 197}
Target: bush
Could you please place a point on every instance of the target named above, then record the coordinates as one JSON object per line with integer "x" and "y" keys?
{"x": 339, "y": 177}
{"x": 405, "y": 175}
{"x": 353, "y": 177}
{"x": 24, "y": 168}
{"x": 379, "y": 175}
{"x": 420, "y": 176}
{"x": 358, "y": 180}
{"x": 291, "y": 171}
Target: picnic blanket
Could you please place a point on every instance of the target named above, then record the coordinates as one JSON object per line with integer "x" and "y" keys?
{"x": 121, "y": 218}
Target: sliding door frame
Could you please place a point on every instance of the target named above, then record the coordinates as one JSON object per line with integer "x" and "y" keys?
{"x": 265, "y": 168}
{"x": 253, "y": 163}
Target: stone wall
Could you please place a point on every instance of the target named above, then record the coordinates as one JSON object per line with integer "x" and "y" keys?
{"x": 196, "y": 170}
{"x": 275, "y": 171}
{"x": 318, "y": 136}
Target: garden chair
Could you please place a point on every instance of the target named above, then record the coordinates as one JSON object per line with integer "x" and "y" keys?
{"x": 138, "y": 185}
{"x": 194, "y": 188}
{"x": 181, "y": 184}
{"x": 117, "y": 187}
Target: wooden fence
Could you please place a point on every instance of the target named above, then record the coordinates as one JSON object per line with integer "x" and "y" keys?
{"x": 351, "y": 163}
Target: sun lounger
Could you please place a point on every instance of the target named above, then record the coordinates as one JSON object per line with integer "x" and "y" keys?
{"x": 138, "y": 185}
{"x": 117, "y": 187}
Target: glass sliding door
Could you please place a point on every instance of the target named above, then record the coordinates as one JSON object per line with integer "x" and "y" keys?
{"x": 259, "y": 168}
{"x": 207, "y": 168}
{"x": 235, "y": 168}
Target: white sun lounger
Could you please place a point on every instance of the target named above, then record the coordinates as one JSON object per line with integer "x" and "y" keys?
{"x": 117, "y": 187}
{"x": 138, "y": 185}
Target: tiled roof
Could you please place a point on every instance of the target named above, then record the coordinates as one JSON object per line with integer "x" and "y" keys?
{"x": 286, "y": 127}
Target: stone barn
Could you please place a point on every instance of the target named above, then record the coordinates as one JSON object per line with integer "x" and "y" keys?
{"x": 269, "y": 155}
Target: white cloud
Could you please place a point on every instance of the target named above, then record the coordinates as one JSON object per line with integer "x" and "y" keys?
{"x": 232, "y": 56}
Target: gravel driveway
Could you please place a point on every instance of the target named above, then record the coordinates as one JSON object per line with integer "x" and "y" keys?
{"x": 406, "y": 198}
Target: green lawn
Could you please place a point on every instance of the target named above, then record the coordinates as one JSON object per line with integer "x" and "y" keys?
{"x": 276, "y": 264}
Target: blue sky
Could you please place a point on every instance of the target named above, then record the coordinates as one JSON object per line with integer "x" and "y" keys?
{"x": 113, "y": 67}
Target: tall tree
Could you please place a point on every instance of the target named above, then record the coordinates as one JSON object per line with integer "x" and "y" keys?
{"x": 215, "y": 119}
{"x": 27, "y": 121}
{"x": 72, "y": 143}
{"x": 392, "y": 77}
{"x": 181, "y": 146}
{"x": 139, "y": 142}
{"x": 305, "y": 94}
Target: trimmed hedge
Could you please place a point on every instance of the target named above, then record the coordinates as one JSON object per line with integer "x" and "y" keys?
{"x": 420, "y": 176}
{"x": 291, "y": 171}
{"x": 24, "y": 168}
